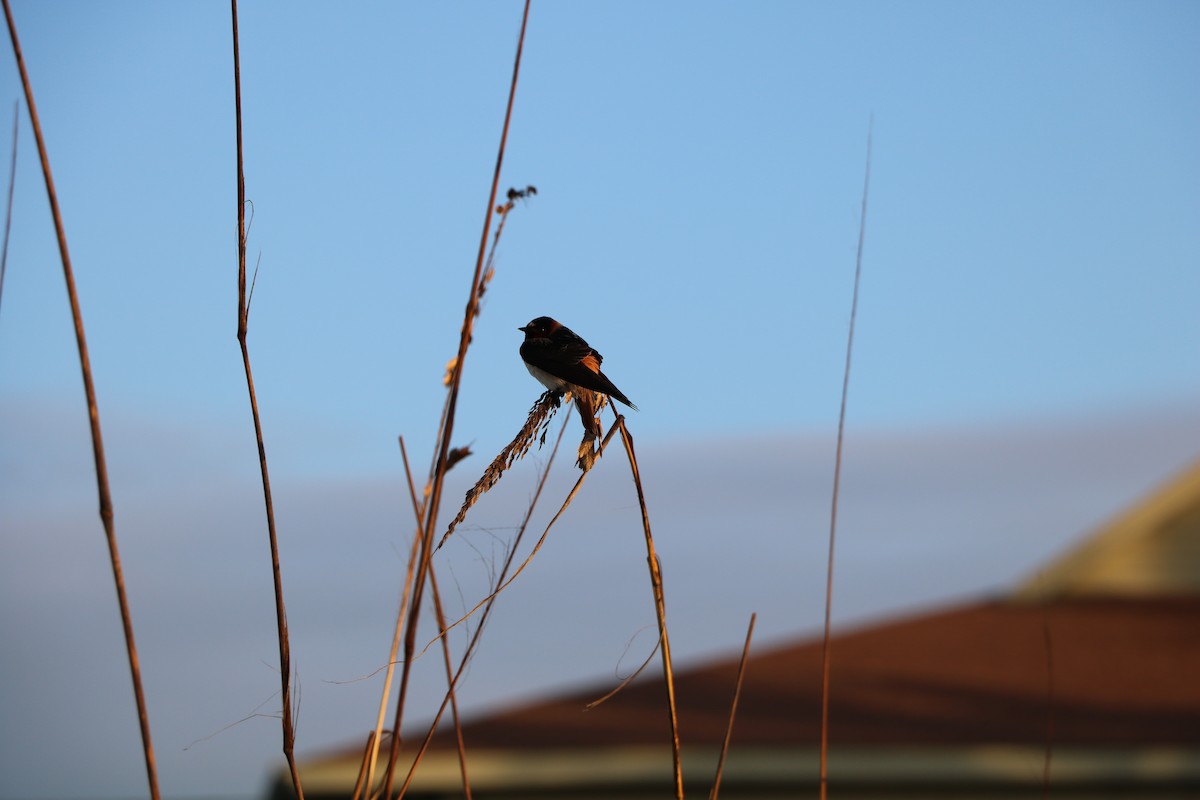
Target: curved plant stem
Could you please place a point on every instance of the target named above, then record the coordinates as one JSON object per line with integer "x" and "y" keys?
{"x": 85, "y": 365}
{"x": 433, "y": 506}
{"x": 12, "y": 186}
{"x": 837, "y": 477}
{"x": 285, "y": 655}
{"x": 660, "y": 606}
{"x": 488, "y": 603}
{"x": 737, "y": 693}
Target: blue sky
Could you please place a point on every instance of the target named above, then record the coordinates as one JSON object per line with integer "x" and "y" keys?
{"x": 1032, "y": 266}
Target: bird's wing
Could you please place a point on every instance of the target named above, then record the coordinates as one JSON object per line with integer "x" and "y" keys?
{"x": 570, "y": 347}
{"x": 574, "y": 362}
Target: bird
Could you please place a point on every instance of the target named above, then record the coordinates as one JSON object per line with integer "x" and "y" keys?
{"x": 563, "y": 362}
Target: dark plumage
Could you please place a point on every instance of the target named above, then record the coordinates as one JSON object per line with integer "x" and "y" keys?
{"x": 561, "y": 360}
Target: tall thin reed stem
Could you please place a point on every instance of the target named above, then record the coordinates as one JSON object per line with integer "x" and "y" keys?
{"x": 243, "y": 317}
{"x": 418, "y": 512}
{"x": 837, "y": 476}
{"x": 12, "y": 187}
{"x": 737, "y": 693}
{"x": 660, "y": 605}
{"x": 85, "y": 366}
{"x": 488, "y": 603}
{"x": 435, "y": 495}
{"x": 373, "y": 755}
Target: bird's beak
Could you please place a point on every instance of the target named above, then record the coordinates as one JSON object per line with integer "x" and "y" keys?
{"x": 524, "y": 329}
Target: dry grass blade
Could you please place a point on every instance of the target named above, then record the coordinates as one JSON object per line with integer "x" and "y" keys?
{"x": 363, "y": 768}
{"x": 12, "y": 185}
{"x": 534, "y": 429}
{"x": 285, "y": 656}
{"x": 837, "y": 476}
{"x": 451, "y": 682}
{"x": 737, "y": 693}
{"x": 433, "y": 505}
{"x": 397, "y": 632}
{"x": 589, "y": 404}
{"x": 529, "y": 558}
{"x": 660, "y": 604}
{"x": 441, "y": 620}
{"x": 473, "y": 643}
{"x": 627, "y": 681}
{"x": 85, "y": 366}
{"x": 489, "y": 270}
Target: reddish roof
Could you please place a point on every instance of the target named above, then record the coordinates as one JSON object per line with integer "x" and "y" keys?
{"x": 1096, "y": 671}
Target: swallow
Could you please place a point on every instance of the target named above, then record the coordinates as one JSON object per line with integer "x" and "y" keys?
{"x": 563, "y": 362}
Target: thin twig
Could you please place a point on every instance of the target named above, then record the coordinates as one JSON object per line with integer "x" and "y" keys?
{"x": 501, "y": 586}
{"x": 737, "y": 693}
{"x": 537, "y": 420}
{"x": 451, "y": 681}
{"x": 660, "y": 605}
{"x": 12, "y": 185}
{"x": 435, "y": 495}
{"x": 85, "y": 366}
{"x": 441, "y": 620}
{"x": 837, "y": 476}
{"x": 397, "y": 633}
{"x": 360, "y": 781}
{"x": 489, "y": 603}
{"x": 630, "y": 679}
{"x": 285, "y": 656}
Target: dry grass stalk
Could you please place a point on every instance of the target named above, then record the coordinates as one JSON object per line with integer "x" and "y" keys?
{"x": 397, "y": 635}
{"x": 285, "y": 657}
{"x": 737, "y": 693}
{"x": 504, "y": 584}
{"x": 837, "y": 476}
{"x": 589, "y": 404}
{"x": 451, "y": 683}
{"x": 101, "y": 464}
{"x": 627, "y": 681}
{"x": 488, "y": 605}
{"x": 12, "y": 185}
{"x": 533, "y": 430}
{"x": 433, "y": 505}
{"x": 371, "y": 756}
{"x": 660, "y": 604}
{"x": 489, "y": 269}
{"x": 364, "y": 766}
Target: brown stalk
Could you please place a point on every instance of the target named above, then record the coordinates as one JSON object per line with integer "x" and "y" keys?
{"x": 504, "y": 584}
{"x": 488, "y": 603}
{"x": 439, "y": 473}
{"x": 621, "y": 686}
{"x": 539, "y": 417}
{"x": 453, "y": 456}
{"x": 85, "y": 366}
{"x": 451, "y": 682}
{"x": 243, "y": 316}
{"x": 660, "y": 606}
{"x": 737, "y": 693}
{"x": 837, "y": 476}
{"x": 441, "y": 620}
{"x": 361, "y": 779}
{"x": 397, "y": 635}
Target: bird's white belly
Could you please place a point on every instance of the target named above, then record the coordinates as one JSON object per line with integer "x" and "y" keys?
{"x": 548, "y": 380}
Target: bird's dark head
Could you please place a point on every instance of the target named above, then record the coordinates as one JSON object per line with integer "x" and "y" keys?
{"x": 540, "y": 328}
